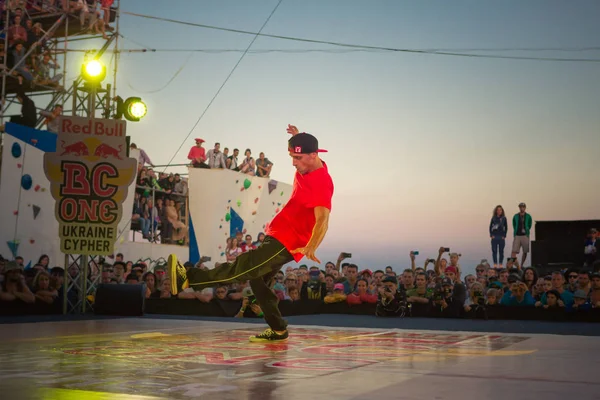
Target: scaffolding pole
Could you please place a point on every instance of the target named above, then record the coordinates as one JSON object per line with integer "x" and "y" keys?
{"x": 4, "y": 66}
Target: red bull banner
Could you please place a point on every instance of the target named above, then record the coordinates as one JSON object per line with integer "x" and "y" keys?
{"x": 89, "y": 176}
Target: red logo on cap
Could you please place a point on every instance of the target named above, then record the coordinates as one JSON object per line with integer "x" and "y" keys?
{"x": 298, "y": 149}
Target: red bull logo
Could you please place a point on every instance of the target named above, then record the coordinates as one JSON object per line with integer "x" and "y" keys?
{"x": 105, "y": 151}
{"x": 93, "y": 127}
{"x": 75, "y": 149}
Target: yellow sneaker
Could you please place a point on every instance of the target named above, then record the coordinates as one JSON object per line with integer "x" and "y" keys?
{"x": 269, "y": 335}
{"x": 177, "y": 275}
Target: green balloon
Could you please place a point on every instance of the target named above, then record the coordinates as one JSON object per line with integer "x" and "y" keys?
{"x": 247, "y": 183}
{"x": 227, "y": 217}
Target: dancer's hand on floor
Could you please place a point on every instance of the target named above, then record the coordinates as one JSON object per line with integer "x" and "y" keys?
{"x": 307, "y": 252}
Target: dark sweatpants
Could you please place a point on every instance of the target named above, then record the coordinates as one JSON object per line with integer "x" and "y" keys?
{"x": 259, "y": 266}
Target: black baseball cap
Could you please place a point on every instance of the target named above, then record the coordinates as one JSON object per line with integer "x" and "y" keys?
{"x": 304, "y": 143}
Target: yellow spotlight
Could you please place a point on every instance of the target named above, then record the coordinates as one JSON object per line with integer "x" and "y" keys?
{"x": 133, "y": 109}
{"x": 137, "y": 110}
{"x": 93, "y": 71}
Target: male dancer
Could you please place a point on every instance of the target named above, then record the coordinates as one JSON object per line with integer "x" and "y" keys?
{"x": 295, "y": 232}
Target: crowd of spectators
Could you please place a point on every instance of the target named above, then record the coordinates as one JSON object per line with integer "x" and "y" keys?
{"x": 438, "y": 288}
{"x": 159, "y": 209}
{"x": 215, "y": 158}
{"x": 160, "y": 203}
{"x": 28, "y": 53}
{"x": 28, "y": 57}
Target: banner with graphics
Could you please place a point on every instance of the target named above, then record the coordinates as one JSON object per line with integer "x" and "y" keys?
{"x": 89, "y": 177}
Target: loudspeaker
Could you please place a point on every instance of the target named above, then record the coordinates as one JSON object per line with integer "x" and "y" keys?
{"x": 124, "y": 300}
{"x": 553, "y": 230}
{"x": 567, "y": 250}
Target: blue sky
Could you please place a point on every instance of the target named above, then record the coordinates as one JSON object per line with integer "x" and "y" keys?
{"x": 422, "y": 147}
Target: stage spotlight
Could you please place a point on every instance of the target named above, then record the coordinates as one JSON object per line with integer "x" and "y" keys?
{"x": 136, "y": 109}
{"x": 133, "y": 109}
{"x": 93, "y": 71}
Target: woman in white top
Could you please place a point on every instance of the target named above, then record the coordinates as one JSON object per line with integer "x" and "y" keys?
{"x": 233, "y": 250}
{"x": 248, "y": 166}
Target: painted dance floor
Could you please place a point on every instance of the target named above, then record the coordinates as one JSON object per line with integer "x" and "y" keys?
{"x": 140, "y": 358}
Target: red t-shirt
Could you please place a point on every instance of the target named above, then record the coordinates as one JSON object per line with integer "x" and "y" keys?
{"x": 197, "y": 152}
{"x": 294, "y": 224}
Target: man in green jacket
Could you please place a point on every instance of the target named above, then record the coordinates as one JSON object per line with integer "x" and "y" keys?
{"x": 521, "y": 223}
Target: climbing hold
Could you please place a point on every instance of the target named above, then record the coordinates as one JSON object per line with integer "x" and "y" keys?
{"x": 19, "y": 165}
{"x": 244, "y": 231}
{"x": 272, "y": 185}
{"x": 239, "y": 203}
{"x": 219, "y": 247}
{"x": 15, "y": 150}
{"x": 37, "y": 187}
{"x": 13, "y": 245}
{"x": 237, "y": 180}
{"x": 222, "y": 254}
{"x": 282, "y": 193}
{"x": 15, "y": 212}
{"x": 260, "y": 187}
{"x": 34, "y": 141}
{"x": 253, "y": 213}
{"x": 227, "y": 217}
{"x": 43, "y": 189}
{"x": 276, "y": 210}
{"x": 26, "y": 181}
{"x": 247, "y": 183}
{"x": 241, "y": 189}
{"x": 36, "y": 211}
{"x": 32, "y": 241}
{"x": 229, "y": 201}
{"x": 256, "y": 200}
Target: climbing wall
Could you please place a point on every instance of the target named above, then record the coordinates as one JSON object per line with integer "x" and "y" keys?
{"x": 28, "y": 226}
{"x": 223, "y": 202}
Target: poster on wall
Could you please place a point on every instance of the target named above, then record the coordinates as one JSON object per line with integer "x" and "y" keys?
{"x": 89, "y": 177}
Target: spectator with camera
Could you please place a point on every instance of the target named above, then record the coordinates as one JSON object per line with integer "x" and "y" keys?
{"x": 458, "y": 289}
{"x": 250, "y": 308}
{"x": 313, "y": 288}
{"x": 444, "y": 303}
{"x": 475, "y": 303}
{"x": 498, "y": 229}
{"x": 440, "y": 266}
{"x": 518, "y": 295}
{"x": 391, "y": 302}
